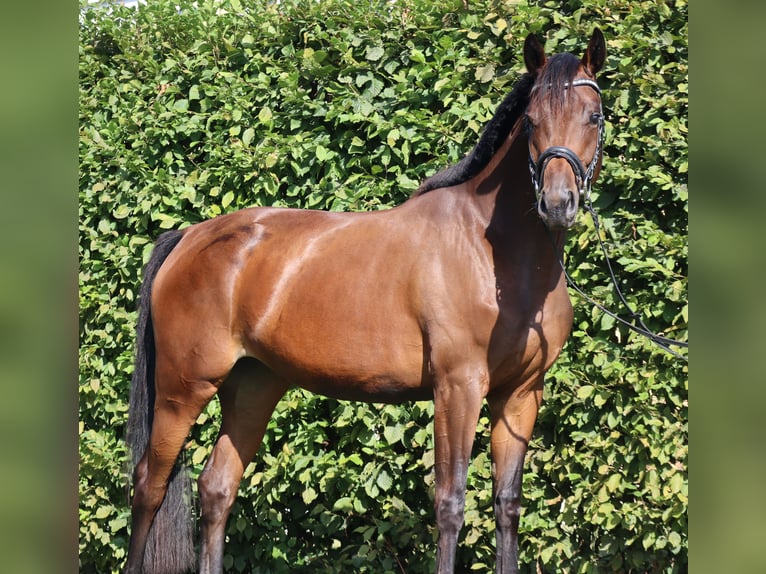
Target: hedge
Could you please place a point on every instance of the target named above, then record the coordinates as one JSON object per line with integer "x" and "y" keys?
{"x": 193, "y": 109}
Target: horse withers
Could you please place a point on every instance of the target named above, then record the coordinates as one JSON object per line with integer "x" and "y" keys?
{"x": 456, "y": 295}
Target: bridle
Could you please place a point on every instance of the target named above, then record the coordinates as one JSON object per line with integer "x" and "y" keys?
{"x": 583, "y": 175}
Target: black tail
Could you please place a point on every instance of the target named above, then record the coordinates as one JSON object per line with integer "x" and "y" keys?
{"x": 170, "y": 547}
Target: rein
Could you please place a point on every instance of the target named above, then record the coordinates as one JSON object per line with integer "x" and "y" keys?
{"x": 583, "y": 175}
{"x": 664, "y": 343}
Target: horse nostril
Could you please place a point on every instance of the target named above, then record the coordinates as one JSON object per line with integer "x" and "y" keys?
{"x": 571, "y": 201}
{"x": 542, "y": 206}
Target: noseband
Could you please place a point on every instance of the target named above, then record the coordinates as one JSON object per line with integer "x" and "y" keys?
{"x": 583, "y": 175}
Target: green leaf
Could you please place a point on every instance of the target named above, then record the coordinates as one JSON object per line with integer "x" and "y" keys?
{"x": 607, "y": 322}
{"x": 309, "y": 495}
{"x": 384, "y": 480}
{"x": 374, "y": 53}
{"x": 393, "y": 434}
{"x": 675, "y": 541}
{"x": 612, "y": 521}
{"x": 485, "y": 73}
{"x": 118, "y": 524}
{"x": 323, "y": 154}
{"x": 344, "y": 504}
{"x": 676, "y": 483}
{"x": 265, "y": 115}
{"x": 648, "y": 540}
{"x": 614, "y": 482}
{"x": 166, "y": 221}
{"x": 417, "y": 56}
{"x": 199, "y": 455}
{"x": 247, "y": 137}
{"x": 600, "y": 398}
{"x": 392, "y": 137}
{"x": 122, "y": 211}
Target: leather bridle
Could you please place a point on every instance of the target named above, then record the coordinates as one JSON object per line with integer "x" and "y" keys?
{"x": 583, "y": 175}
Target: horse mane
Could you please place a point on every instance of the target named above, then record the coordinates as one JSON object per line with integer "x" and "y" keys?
{"x": 559, "y": 69}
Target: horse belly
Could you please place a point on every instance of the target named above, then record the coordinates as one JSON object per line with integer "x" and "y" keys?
{"x": 341, "y": 360}
{"x": 334, "y": 321}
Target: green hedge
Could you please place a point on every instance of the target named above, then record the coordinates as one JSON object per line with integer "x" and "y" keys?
{"x": 192, "y": 109}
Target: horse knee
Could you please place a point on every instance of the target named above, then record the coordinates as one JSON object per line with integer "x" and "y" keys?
{"x": 449, "y": 513}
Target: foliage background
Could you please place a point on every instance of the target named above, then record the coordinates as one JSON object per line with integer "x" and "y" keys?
{"x": 189, "y": 110}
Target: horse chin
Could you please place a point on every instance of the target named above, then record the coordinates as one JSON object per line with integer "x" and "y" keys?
{"x": 558, "y": 222}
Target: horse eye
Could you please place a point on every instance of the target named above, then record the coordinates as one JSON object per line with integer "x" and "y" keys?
{"x": 528, "y": 125}
{"x": 595, "y": 118}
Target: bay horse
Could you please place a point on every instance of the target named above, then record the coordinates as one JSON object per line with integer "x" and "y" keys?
{"x": 456, "y": 295}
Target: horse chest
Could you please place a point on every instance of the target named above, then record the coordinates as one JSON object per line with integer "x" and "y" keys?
{"x": 528, "y": 336}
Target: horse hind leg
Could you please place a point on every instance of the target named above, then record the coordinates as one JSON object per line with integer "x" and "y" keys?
{"x": 248, "y": 397}
{"x": 161, "y": 540}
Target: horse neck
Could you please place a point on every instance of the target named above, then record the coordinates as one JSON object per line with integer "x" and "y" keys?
{"x": 514, "y": 228}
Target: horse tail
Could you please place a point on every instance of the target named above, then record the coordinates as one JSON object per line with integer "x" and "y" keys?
{"x": 170, "y": 546}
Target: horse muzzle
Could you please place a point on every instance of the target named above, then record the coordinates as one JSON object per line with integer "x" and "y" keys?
{"x": 558, "y": 200}
{"x": 558, "y": 208}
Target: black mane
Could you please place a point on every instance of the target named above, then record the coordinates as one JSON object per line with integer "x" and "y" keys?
{"x": 559, "y": 70}
{"x": 493, "y": 136}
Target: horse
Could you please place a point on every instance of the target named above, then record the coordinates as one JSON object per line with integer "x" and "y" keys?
{"x": 456, "y": 295}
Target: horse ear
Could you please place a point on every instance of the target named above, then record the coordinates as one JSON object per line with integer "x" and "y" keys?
{"x": 534, "y": 54}
{"x": 595, "y": 54}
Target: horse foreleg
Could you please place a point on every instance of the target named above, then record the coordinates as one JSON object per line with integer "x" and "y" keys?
{"x": 457, "y": 404}
{"x": 248, "y": 398}
{"x": 513, "y": 419}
